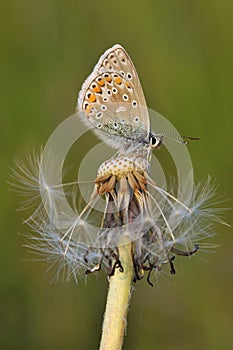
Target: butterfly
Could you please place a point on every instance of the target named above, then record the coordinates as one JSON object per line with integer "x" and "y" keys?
{"x": 112, "y": 102}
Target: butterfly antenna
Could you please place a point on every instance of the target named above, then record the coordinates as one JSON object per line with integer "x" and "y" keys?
{"x": 180, "y": 139}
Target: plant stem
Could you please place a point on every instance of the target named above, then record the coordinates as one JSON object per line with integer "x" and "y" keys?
{"x": 119, "y": 292}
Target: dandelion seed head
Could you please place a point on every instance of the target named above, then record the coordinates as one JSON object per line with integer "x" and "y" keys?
{"x": 121, "y": 165}
{"x": 137, "y": 210}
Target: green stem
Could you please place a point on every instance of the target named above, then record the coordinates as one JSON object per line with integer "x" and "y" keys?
{"x": 115, "y": 318}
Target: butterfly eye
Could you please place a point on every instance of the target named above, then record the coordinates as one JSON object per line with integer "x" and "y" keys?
{"x": 155, "y": 141}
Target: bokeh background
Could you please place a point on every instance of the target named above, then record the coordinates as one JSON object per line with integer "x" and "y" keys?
{"x": 183, "y": 52}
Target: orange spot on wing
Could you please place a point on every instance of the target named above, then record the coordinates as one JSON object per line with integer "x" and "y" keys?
{"x": 97, "y": 89}
{"x": 118, "y": 80}
{"x": 108, "y": 79}
{"x": 91, "y": 98}
{"x": 88, "y": 108}
{"x": 127, "y": 85}
{"x": 101, "y": 82}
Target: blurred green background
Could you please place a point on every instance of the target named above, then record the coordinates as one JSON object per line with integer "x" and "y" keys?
{"x": 183, "y": 51}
